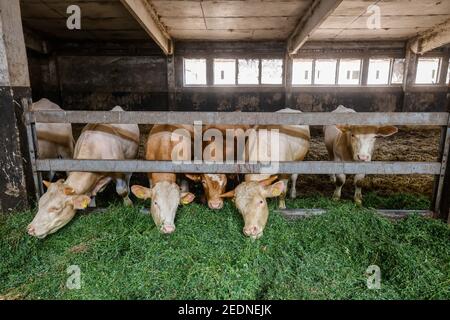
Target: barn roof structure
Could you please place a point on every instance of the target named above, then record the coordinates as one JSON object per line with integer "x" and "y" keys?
{"x": 294, "y": 21}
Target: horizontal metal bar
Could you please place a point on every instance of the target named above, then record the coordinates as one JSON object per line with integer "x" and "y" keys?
{"x": 247, "y": 118}
{"x": 387, "y": 213}
{"x": 300, "y": 167}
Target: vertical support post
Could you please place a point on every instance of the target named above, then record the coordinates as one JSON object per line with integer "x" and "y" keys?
{"x": 365, "y": 69}
{"x": 443, "y": 176}
{"x": 288, "y": 61}
{"x": 171, "y": 86}
{"x": 15, "y": 180}
{"x": 410, "y": 75}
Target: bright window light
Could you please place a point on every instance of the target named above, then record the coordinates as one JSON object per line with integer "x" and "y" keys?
{"x": 349, "y": 71}
{"x": 248, "y": 71}
{"x": 224, "y": 71}
{"x": 379, "y": 71}
{"x": 398, "y": 70}
{"x": 325, "y": 71}
{"x": 448, "y": 74}
{"x": 427, "y": 70}
{"x": 302, "y": 71}
{"x": 195, "y": 71}
{"x": 272, "y": 71}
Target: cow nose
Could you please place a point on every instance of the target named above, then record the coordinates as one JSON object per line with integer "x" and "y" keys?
{"x": 363, "y": 157}
{"x": 215, "y": 204}
{"x": 31, "y": 231}
{"x": 167, "y": 229}
{"x": 252, "y": 231}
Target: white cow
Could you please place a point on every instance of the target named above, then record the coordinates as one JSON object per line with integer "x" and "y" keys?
{"x": 103, "y": 142}
{"x": 352, "y": 143}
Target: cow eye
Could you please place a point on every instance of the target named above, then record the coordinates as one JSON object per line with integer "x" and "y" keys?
{"x": 155, "y": 203}
{"x": 261, "y": 202}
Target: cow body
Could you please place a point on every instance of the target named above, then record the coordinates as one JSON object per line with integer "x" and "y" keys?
{"x": 166, "y": 143}
{"x": 276, "y": 143}
{"x": 101, "y": 142}
{"x": 352, "y": 143}
{"x": 55, "y": 140}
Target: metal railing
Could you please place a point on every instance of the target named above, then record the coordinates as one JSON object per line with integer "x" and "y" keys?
{"x": 441, "y": 119}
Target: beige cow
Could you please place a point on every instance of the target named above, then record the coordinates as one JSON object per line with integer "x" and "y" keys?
{"x": 352, "y": 143}
{"x": 55, "y": 140}
{"x": 166, "y": 143}
{"x": 59, "y": 204}
{"x": 288, "y": 143}
{"x": 214, "y": 185}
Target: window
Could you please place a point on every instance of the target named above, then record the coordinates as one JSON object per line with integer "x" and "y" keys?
{"x": 194, "y": 71}
{"x": 427, "y": 70}
{"x": 325, "y": 71}
{"x": 248, "y": 71}
{"x": 272, "y": 71}
{"x": 349, "y": 71}
{"x": 448, "y": 74}
{"x": 224, "y": 71}
{"x": 398, "y": 70}
{"x": 379, "y": 71}
{"x": 302, "y": 71}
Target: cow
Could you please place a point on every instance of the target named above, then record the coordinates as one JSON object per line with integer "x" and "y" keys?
{"x": 291, "y": 144}
{"x": 215, "y": 184}
{"x": 55, "y": 140}
{"x": 64, "y": 197}
{"x": 352, "y": 143}
{"x": 166, "y": 143}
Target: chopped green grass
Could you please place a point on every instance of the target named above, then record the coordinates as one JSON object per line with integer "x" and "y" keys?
{"x": 122, "y": 255}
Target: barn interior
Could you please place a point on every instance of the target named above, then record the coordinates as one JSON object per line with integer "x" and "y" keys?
{"x": 311, "y": 55}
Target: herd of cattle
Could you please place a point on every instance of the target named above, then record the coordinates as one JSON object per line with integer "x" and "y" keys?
{"x": 167, "y": 190}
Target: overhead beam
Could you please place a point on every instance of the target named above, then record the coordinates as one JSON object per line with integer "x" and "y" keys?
{"x": 317, "y": 13}
{"x": 145, "y": 14}
{"x": 432, "y": 38}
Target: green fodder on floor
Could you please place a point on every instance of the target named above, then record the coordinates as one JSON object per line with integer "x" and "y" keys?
{"x": 121, "y": 255}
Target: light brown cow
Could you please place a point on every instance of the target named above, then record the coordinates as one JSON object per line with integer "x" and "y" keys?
{"x": 352, "y": 143}
{"x": 214, "y": 185}
{"x": 166, "y": 143}
{"x": 55, "y": 140}
{"x": 59, "y": 204}
{"x": 282, "y": 143}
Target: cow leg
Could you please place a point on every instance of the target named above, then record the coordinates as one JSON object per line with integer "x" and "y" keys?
{"x": 184, "y": 185}
{"x": 293, "y": 193}
{"x": 282, "y": 198}
{"x": 123, "y": 190}
{"x": 93, "y": 203}
{"x": 340, "y": 181}
{"x": 358, "y": 186}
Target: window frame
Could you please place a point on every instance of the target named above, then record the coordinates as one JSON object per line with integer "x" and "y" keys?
{"x": 184, "y": 72}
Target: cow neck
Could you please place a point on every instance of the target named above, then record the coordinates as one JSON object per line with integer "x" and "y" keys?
{"x": 53, "y": 137}
{"x": 82, "y": 182}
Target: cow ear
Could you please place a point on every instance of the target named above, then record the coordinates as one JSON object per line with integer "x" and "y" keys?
{"x": 47, "y": 184}
{"x": 187, "y": 197}
{"x": 387, "y": 131}
{"x": 229, "y": 194}
{"x": 344, "y": 128}
{"x": 268, "y": 181}
{"x": 81, "y": 202}
{"x": 68, "y": 191}
{"x": 141, "y": 192}
{"x": 274, "y": 190}
{"x": 194, "y": 177}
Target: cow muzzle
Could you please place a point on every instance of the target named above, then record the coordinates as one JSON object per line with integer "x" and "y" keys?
{"x": 167, "y": 229}
{"x": 215, "y": 204}
{"x": 253, "y": 232}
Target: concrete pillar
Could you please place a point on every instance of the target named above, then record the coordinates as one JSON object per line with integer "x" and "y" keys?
{"x": 14, "y": 85}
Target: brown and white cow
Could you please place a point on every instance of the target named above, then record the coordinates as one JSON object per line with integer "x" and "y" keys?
{"x": 55, "y": 140}
{"x": 352, "y": 143}
{"x": 281, "y": 143}
{"x": 166, "y": 143}
{"x": 219, "y": 150}
{"x": 59, "y": 204}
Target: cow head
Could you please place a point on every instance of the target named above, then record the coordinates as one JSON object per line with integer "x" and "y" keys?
{"x": 250, "y": 200}
{"x": 165, "y": 197}
{"x": 56, "y": 208}
{"x": 362, "y": 139}
{"x": 214, "y": 185}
